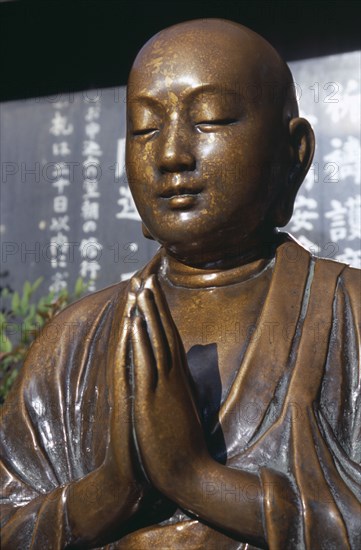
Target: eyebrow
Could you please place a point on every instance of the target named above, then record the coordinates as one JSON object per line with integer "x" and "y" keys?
{"x": 146, "y": 99}
{"x": 212, "y": 88}
{"x": 191, "y": 94}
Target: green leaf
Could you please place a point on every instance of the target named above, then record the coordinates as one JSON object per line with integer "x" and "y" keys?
{"x": 27, "y": 290}
{"x": 5, "y": 344}
{"x": 36, "y": 284}
{"x": 15, "y": 303}
{"x": 5, "y": 293}
{"x": 8, "y": 382}
{"x": 43, "y": 303}
{"x": 31, "y": 312}
{"x": 6, "y": 361}
{"x": 2, "y": 320}
{"x": 26, "y": 333}
{"x": 39, "y": 320}
{"x": 80, "y": 287}
{"x": 24, "y": 304}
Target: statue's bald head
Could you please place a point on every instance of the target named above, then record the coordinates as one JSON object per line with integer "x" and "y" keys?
{"x": 223, "y": 50}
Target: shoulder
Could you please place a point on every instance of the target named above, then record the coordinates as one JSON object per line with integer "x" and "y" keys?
{"x": 76, "y": 336}
{"x": 89, "y": 306}
{"x": 327, "y": 275}
{"x": 346, "y": 281}
{"x": 351, "y": 283}
{"x": 350, "y": 277}
{"x": 65, "y": 337}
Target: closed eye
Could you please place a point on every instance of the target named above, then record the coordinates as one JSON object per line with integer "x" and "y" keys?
{"x": 209, "y": 125}
{"x": 144, "y": 131}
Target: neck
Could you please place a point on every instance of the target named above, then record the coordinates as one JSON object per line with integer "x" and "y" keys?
{"x": 226, "y": 270}
{"x": 227, "y": 257}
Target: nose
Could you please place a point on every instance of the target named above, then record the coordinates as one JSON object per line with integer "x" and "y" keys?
{"x": 176, "y": 153}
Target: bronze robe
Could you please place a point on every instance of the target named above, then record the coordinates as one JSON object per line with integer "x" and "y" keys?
{"x": 298, "y": 426}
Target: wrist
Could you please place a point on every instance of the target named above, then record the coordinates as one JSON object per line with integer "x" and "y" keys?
{"x": 191, "y": 485}
{"x": 227, "y": 498}
{"x": 96, "y": 504}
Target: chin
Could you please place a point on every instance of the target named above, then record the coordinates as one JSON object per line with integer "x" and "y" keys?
{"x": 180, "y": 235}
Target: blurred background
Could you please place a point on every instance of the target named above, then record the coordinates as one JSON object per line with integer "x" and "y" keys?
{"x": 66, "y": 210}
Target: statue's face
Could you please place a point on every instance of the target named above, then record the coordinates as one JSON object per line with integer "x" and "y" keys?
{"x": 202, "y": 144}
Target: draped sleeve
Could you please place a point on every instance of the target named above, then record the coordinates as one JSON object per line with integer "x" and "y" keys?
{"x": 55, "y": 423}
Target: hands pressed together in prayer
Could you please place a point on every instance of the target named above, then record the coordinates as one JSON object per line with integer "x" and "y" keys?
{"x": 167, "y": 428}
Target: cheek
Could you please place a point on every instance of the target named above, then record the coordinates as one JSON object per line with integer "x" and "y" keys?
{"x": 140, "y": 161}
{"x": 140, "y": 170}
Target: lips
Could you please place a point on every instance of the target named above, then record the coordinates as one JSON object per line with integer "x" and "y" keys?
{"x": 179, "y": 192}
{"x": 181, "y": 197}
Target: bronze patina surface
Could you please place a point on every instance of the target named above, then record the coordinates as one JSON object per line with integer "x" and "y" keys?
{"x": 212, "y": 401}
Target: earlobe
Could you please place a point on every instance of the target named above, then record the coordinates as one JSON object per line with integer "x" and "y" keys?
{"x": 302, "y": 140}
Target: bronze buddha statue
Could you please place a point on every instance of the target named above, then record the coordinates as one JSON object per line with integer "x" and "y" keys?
{"x": 213, "y": 400}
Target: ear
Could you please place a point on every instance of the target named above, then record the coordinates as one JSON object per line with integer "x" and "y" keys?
{"x": 302, "y": 148}
{"x": 146, "y": 233}
{"x": 302, "y": 140}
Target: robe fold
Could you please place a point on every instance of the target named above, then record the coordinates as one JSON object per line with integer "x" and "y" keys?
{"x": 292, "y": 415}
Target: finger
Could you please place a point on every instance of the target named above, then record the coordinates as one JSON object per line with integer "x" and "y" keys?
{"x": 120, "y": 384}
{"x": 120, "y": 370}
{"x": 135, "y": 284}
{"x": 129, "y": 305}
{"x": 145, "y": 371}
{"x": 168, "y": 325}
{"x": 157, "y": 335}
{"x": 144, "y": 381}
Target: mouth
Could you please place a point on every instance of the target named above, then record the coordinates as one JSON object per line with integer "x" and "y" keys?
{"x": 176, "y": 192}
{"x": 181, "y": 198}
